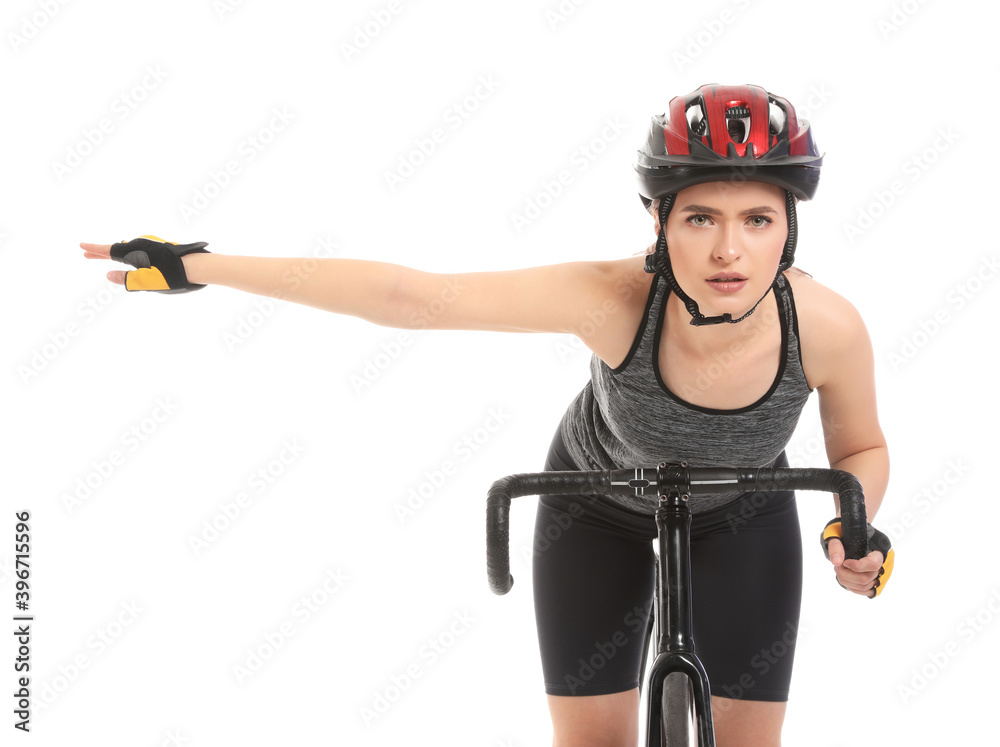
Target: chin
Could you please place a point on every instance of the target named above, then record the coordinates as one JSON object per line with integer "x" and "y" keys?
{"x": 736, "y": 304}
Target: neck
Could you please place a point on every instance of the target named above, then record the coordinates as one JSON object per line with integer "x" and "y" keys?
{"x": 718, "y": 338}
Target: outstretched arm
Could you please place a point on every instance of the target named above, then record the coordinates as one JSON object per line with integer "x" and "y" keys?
{"x": 365, "y": 289}
{"x": 551, "y": 298}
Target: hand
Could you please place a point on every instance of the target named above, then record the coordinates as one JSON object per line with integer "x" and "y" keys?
{"x": 858, "y": 575}
{"x": 159, "y": 264}
{"x": 103, "y": 251}
{"x": 866, "y": 576}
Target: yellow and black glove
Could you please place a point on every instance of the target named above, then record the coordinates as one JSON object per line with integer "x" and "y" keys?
{"x": 159, "y": 264}
{"x": 876, "y": 541}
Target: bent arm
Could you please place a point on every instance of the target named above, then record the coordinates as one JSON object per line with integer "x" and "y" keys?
{"x": 848, "y": 408}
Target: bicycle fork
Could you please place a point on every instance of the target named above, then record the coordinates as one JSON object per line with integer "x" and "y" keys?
{"x": 674, "y": 624}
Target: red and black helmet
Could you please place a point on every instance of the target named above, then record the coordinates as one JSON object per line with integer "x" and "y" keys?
{"x": 723, "y": 133}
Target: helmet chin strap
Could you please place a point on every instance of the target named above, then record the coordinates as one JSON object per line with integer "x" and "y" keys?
{"x": 659, "y": 261}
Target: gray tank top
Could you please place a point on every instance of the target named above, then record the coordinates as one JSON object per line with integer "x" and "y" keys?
{"x": 626, "y": 417}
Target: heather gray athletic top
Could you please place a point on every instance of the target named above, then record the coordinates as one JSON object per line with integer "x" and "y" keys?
{"x": 626, "y": 417}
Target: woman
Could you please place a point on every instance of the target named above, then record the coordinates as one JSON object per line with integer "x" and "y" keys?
{"x": 706, "y": 351}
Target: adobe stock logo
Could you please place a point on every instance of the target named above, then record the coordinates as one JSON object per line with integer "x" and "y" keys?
{"x": 561, "y": 13}
{"x": 900, "y": 16}
{"x": 957, "y": 298}
{"x": 938, "y": 660}
{"x": 710, "y": 32}
{"x": 365, "y": 33}
{"x": 464, "y": 448}
{"x": 105, "y": 466}
{"x": 122, "y": 106}
{"x": 32, "y": 25}
{"x": 247, "y": 150}
{"x": 454, "y": 117}
{"x": 914, "y": 169}
{"x": 431, "y": 651}
{"x": 579, "y": 161}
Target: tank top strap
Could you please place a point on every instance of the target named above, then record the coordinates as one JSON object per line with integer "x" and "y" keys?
{"x": 641, "y": 343}
{"x": 793, "y": 350}
{"x": 651, "y": 320}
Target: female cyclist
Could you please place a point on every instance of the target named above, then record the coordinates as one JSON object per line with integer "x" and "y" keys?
{"x": 710, "y": 347}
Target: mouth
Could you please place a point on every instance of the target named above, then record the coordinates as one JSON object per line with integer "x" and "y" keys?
{"x": 727, "y": 282}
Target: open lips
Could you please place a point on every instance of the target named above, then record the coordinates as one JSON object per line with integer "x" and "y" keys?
{"x": 727, "y": 282}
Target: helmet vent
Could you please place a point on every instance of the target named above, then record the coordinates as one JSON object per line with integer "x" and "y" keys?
{"x": 738, "y": 122}
{"x": 696, "y": 119}
{"x": 776, "y": 118}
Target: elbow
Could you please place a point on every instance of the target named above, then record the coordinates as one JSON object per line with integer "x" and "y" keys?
{"x": 423, "y": 300}
{"x": 875, "y": 452}
{"x": 398, "y": 308}
{"x": 420, "y": 300}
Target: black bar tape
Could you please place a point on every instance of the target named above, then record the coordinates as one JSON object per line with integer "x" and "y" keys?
{"x": 514, "y": 486}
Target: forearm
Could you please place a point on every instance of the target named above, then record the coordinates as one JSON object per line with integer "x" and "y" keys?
{"x": 365, "y": 289}
{"x": 871, "y": 467}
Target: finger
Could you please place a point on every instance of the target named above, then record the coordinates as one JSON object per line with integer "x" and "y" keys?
{"x": 855, "y": 586}
{"x": 96, "y": 251}
{"x": 117, "y": 276}
{"x": 836, "y": 550}
{"x": 871, "y": 562}
{"x": 860, "y": 583}
{"x": 848, "y": 588}
{"x": 851, "y": 580}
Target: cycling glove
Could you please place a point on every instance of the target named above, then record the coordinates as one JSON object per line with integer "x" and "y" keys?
{"x": 159, "y": 264}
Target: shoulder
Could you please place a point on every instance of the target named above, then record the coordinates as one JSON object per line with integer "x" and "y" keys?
{"x": 625, "y": 279}
{"x": 831, "y": 330}
{"x": 622, "y": 283}
{"x": 613, "y": 295}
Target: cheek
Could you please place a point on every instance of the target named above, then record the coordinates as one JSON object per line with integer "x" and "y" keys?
{"x": 765, "y": 246}
{"x": 775, "y": 245}
{"x": 685, "y": 245}
{"x": 691, "y": 255}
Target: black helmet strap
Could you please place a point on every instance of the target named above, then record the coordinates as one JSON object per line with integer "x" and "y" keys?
{"x": 659, "y": 261}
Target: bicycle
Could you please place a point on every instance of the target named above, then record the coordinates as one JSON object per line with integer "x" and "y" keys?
{"x": 677, "y": 684}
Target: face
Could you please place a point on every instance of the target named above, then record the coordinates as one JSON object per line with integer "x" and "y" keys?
{"x": 725, "y": 241}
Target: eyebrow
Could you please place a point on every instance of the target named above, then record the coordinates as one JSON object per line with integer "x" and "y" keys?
{"x": 712, "y": 211}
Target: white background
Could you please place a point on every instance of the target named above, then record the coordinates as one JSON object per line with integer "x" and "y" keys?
{"x": 84, "y": 363}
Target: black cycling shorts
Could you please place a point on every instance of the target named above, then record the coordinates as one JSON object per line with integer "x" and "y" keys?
{"x": 593, "y": 576}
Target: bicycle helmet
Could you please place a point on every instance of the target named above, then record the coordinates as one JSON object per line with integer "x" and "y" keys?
{"x": 725, "y": 133}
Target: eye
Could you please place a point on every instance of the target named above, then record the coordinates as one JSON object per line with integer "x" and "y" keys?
{"x": 759, "y": 221}
{"x": 699, "y": 220}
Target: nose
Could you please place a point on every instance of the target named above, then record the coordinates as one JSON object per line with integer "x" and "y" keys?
{"x": 729, "y": 246}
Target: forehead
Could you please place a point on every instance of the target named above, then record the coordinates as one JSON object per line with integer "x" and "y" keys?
{"x": 732, "y": 193}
